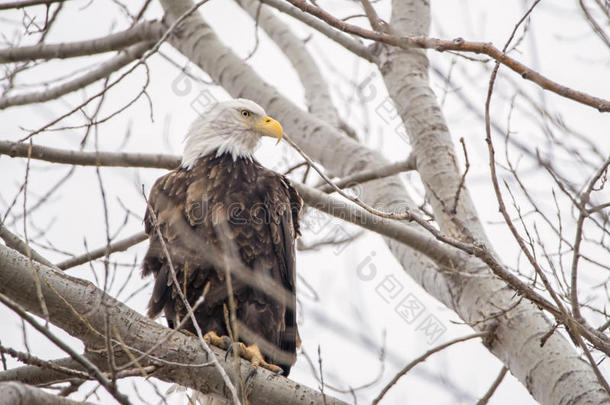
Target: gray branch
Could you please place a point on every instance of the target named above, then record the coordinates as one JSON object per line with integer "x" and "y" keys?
{"x": 82, "y": 310}
{"x": 117, "y": 246}
{"x": 372, "y": 174}
{"x": 147, "y": 31}
{"x": 103, "y": 70}
{"x": 89, "y": 158}
{"x": 35, "y": 375}
{"x": 14, "y": 393}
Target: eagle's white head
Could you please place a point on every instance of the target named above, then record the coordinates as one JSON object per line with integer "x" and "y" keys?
{"x": 233, "y": 126}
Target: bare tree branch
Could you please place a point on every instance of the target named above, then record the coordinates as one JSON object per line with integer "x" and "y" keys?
{"x": 147, "y": 31}
{"x": 42, "y": 375}
{"x": 90, "y": 158}
{"x": 32, "y": 360}
{"x": 494, "y": 386}
{"x": 74, "y": 305}
{"x": 27, "y": 3}
{"x": 117, "y": 246}
{"x": 583, "y": 214}
{"x": 103, "y": 70}
{"x": 372, "y": 174}
{"x": 422, "y": 358}
{"x": 14, "y": 393}
{"x": 599, "y": 31}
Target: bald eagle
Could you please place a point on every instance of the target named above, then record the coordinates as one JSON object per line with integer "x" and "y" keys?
{"x": 222, "y": 204}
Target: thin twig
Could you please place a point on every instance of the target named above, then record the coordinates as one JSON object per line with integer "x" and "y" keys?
{"x": 594, "y": 25}
{"x": 494, "y": 386}
{"x": 462, "y": 179}
{"x": 141, "y": 61}
{"x": 422, "y": 358}
{"x": 117, "y": 246}
{"x": 371, "y": 174}
{"x": 583, "y": 214}
{"x": 28, "y": 358}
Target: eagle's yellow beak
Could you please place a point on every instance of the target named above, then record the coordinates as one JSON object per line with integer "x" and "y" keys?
{"x": 270, "y": 127}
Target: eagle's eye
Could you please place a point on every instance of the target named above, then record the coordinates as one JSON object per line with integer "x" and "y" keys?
{"x": 245, "y": 113}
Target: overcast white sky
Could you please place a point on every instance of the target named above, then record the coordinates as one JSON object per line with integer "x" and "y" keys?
{"x": 342, "y": 311}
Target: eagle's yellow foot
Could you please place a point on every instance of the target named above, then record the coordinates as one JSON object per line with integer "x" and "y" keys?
{"x": 254, "y": 355}
{"x": 251, "y": 353}
{"x": 211, "y": 338}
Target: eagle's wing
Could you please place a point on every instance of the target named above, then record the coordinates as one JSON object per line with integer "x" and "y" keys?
{"x": 164, "y": 217}
{"x": 284, "y": 231}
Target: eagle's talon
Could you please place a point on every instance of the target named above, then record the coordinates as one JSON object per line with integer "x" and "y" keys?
{"x": 223, "y": 342}
{"x": 228, "y": 352}
{"x": 251, "y": 373}
{"x": 240, "y": 349}
{"x": 227, "y": 342}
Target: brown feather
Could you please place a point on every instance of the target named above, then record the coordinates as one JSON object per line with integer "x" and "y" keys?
{"x": 221, "y": 206}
